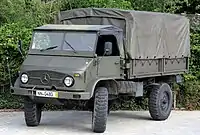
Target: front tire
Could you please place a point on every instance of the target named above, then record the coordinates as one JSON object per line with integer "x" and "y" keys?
{"x": 99, "y": 116}
{"x": 32, "y": 112}
{"x": 160, "y": 102}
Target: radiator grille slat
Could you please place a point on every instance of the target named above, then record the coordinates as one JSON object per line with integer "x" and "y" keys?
{"x": 54, "y": 78}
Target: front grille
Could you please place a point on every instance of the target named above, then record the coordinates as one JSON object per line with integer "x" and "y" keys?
{"x": 46, "y": 78}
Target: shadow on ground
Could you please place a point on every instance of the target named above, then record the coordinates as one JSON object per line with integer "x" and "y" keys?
{"x": 128, "y": 115}
{"x": 82, "y": 120}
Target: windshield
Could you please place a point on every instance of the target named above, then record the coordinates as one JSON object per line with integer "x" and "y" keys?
{"x": 68, "y": 41}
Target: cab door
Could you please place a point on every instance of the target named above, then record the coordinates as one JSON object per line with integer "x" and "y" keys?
{"x": 108, "y": 63}
{"x": 109, "y": 66}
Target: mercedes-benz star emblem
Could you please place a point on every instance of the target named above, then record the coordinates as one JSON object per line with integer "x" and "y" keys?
{"x": 45, "y": 78}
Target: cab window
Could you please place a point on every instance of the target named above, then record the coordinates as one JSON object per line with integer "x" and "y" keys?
{"x": 107, "y": 46}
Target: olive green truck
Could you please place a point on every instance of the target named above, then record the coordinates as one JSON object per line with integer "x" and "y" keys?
{"x": 97, "y": 55}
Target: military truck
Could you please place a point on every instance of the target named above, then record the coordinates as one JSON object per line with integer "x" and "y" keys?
{"x": 97, "y": 54}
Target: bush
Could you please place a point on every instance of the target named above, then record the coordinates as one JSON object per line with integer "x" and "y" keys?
{"x": 8, "y": 101}
{"x": 9, "y": 36}
{"x": 188, "y": 95}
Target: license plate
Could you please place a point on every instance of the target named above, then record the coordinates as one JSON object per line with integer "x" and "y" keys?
{"x": 50, "y": 94}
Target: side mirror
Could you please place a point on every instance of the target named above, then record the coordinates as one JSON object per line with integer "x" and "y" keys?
{"x": 20, "y": 47}
{"x": 108, "y": 48}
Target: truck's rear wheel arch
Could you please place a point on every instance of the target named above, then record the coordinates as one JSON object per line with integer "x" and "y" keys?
{"x": 151, "y": 82}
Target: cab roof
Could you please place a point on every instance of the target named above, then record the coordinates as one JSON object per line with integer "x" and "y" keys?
{"x": 78, "y": 27}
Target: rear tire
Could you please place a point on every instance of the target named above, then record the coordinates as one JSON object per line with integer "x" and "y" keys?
{"x": 32, "y": 112}
{"x": 160, "y": 102}
{"x": 99, "y": 116}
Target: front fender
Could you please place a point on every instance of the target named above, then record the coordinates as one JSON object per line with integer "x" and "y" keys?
{"x": 91, "y": 86}
{"x": 17, "y": 82}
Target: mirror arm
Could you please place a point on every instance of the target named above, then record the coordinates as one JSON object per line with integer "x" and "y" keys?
{"x": 99, "y": 60}
{"x": 20, "y": 48}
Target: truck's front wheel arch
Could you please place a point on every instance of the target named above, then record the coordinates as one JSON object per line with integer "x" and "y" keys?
{"x": 111, "y": 85}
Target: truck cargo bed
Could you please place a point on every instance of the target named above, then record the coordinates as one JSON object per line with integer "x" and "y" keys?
{"x": 141, "y": 68}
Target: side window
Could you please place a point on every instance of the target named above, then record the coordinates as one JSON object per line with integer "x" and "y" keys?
{"x": 107, "y": 46}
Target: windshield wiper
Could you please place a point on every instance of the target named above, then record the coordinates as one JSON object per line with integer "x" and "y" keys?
{"x": 70, "y": 46}
{"x": 49, "y": 48}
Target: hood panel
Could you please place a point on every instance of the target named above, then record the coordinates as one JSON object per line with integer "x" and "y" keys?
{"x": 41, "y": 62}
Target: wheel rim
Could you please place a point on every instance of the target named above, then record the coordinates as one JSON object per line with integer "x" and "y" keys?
{"x": 164, "y": 102}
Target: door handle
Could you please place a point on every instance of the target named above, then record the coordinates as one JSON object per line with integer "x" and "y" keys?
{"x": 117, "y": 62}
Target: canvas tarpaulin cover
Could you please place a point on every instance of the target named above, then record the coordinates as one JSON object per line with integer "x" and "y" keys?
{"x": 148, "y": 35}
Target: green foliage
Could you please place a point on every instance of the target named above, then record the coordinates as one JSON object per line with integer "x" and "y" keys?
{"x": 188, "y": 95}
{"x": 192, "y": 7}
{"x": 171, "y": 6}
{"x": 11, "y": 11}
{"x": 9, "y": 36}
{"x": 130, "y": 103}
{"x": 191, "y": 95}
{"x": 71, "y": 4}
{"x": 195, "y": 48}
{"x": 8, "y": 101}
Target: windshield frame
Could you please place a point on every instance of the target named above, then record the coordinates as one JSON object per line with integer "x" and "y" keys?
{"x": 31, "y": 50}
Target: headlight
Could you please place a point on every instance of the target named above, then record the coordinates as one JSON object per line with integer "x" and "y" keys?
{"x": 68, "y": 81}
{"x": 24, "y": 78}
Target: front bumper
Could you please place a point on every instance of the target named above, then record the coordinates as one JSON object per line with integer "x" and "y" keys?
{"x": 61, "y": 94}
